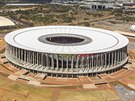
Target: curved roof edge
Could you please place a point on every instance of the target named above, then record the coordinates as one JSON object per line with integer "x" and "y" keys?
{"x": 122, "y": 42}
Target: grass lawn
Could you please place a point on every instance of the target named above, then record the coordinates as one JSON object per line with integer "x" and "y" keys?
{"x": 2, "y": 81}
{"x": 2, "y": 42}
{"x": 23, "y": 92}
{"x": 132, "y": 78}
{"x": 92, "y": 95}
{"x": 27, "y": 93}
{"x": 10, "y": 90}
{"x": 2, "y": 51}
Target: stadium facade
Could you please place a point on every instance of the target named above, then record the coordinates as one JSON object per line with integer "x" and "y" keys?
{"x": 66, "y": 51}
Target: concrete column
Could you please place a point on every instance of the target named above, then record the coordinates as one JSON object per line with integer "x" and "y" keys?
{"x": 13, "y": 52}
{"x": 39, "y": 59}
{"x": 52, "y": 60}
{"x": 112, "y": 59}
{"x": 92, "y": 61}
{"x": 97, "y": 62}
{"x": 36, "y": 57}
{"x": 102, "y": 61}
{"x": 72, "y": 63}
{"x": 67, "y": 63}
{"x": 109, "y": 63}
{"x": 9, "y": 49}
{"x": 77, "y": 63}
{"x": 47, "y": 61}
{"x": 62, "y": 62}
{"x": 82, "y": 58}
{"x": 118, "y": 57}
{"x": 88, "y": 64}
{"x": 105, "y": 60}
{"x": 57, "y": 64}
{"x": 21, "y": 55}
{"x": 125, "y": 52}
{"x": 33, "y": 55}
{"x": 10, "y": 52}
{"x": 16, "y": 53}
{"x": 25, "y": 56}
{"x": 29, "y": 56}
{"x": 121, "y": 55}
{"x": 115, "y": 58}
{"x": 96, "y": 6}
{"x": 42, "y": 59}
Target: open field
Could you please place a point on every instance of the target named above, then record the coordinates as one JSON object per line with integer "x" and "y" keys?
{"x": 132, "y": 78}
{"x": 92, "y": 95}
{"x": 10, "y": 90}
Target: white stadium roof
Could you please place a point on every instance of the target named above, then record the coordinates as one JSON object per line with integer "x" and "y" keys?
{"x": 6, "y": 22}
{"x": 102, "y": 40}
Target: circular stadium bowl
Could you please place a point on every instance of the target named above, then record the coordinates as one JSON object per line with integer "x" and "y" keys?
{"x": 66, "y": 51}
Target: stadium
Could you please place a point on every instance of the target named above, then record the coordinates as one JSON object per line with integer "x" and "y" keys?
{"x": 66, "y": 51}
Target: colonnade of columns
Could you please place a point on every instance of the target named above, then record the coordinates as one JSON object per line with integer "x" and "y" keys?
{"x": 66, "y": 62}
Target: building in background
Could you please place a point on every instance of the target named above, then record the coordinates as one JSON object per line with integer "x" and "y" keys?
{"x": 6, "y": 23}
